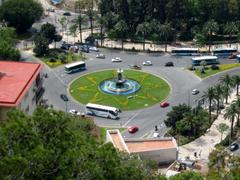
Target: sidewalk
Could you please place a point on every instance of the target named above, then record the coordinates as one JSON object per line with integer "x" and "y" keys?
{"x": 204, "y": 145}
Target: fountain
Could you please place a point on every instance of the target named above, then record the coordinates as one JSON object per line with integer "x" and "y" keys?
{"x": 119, "y": 85}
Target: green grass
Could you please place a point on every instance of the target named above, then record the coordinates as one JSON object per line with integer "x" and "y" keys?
{"x": 103, "y": 131}
{"x": 153, "y": 90}
{"x": 209, "y": 71}
{"x": 57, "y": 54}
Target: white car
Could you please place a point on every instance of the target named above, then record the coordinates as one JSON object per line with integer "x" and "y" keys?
{"x": 92, "y": 48}
{"x": 147, "y": 63}
{"x": 195, "y": 91}
{"x": 117, "y": 59}
{"x": 74, "y": 112}
{"x": 156, "y": 135}
{"x": 100, "y": 56}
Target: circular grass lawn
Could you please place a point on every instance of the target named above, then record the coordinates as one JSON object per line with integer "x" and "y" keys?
{"x": 153, "y": 90}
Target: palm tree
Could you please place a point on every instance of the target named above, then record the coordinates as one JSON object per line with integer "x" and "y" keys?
{"x": 143, "y": 29}
{"x": 165, "y": 31}
{"x": 121, "y": 29}
{"x": 237, "y": 105}
{"x": 73, "y": 31}
{"x": 236, "y": 82}
{"x": 102, "y": 23}
{"x": 222, "y": 127}
{"x": 218, "y": 95}
{"x": 230, "y": 113}
{"x": 210, "y": 27}
{"x": 209, "y": 94}
{"x": 226, "y": 80}
{"x": 231, "y": 28}
{"x": 91, "y": 14}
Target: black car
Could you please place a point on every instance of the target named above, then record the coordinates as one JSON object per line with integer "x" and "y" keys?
{"x": 169, "y": 64}
{"x": 234, "y": 147}
{"x": 85, "y": 49}
{"x": 67, "y": 14}
{"x": 135, "y": 66}
{"x": 64, "y": 97}
{"x": 65, "y": 46}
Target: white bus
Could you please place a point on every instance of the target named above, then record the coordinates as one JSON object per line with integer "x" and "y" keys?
{"x": 185, "y": 52}
{"x": 224, "y": 51}
{"x": 76, "y": 66}
{"x": 196, "y": 61}
{"x": 102, "y": 111}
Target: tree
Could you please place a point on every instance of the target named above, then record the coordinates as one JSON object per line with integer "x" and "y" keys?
{"x": 91, "y": 14}
{"x": 222, "y": 127}
{"x": 121, "y": 29}
{"x": 102, "y": 23}
{"x": 142, "y": 30}
{"x": 63, "y": 21}
{"x": 7, "y": 44}
{"x": 41, "y": 45}
{"x": 55, "y": 145}
{"x": 218, "y": 91}
{"x": 165, "y": 31}
{"x": 237, "y": 105}
{"x": 73, "y": 31}
{"x": 230, "y": 113}
{"x": 209, "y": 94}
{"x": 203, "y": 64}
{"x": 187, "y": 175}
{"x": 236, "y": 82}
{"x": 79, "y": 21}
{"x": 21, "y": 14}
{"x": 210, "y": 28}
{"x": 226, "y": 80}
{"x": 231, "y": 29}
{"x": 200, "y": 39}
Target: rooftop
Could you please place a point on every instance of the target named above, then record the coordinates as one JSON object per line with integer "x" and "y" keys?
{"x": 15, "y": 80}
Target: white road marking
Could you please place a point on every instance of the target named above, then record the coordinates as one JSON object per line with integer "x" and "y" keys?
{"x": 131, "y": 118}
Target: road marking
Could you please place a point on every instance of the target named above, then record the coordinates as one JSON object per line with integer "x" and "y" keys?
{"x": 131, "y": 118}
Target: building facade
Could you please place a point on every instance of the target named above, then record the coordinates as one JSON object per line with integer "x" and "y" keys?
{"x": 21, "y": 86}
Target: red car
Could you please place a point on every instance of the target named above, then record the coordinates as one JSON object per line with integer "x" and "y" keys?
{"x": 132, "y": 129}
{"x": 164, "y": 104}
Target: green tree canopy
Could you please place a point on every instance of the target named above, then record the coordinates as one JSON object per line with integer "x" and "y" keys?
{"x": 21, "y": 14}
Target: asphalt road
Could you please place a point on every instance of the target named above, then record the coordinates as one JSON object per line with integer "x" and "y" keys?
{"x": 181, "y": 81}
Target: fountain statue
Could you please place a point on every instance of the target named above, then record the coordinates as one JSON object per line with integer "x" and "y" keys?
{"x": 119, "y": 85}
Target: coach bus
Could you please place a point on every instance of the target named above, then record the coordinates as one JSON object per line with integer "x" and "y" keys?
{"x": 74, "y": 67}
{"x": 224, "y": 51}
{"x": 196, "y": 61}
{"x": 185, "y": 52}
{"x": 102, "y": 111}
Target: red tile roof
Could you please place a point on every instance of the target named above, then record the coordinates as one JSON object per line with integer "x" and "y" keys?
{"x": 15, "y": 80}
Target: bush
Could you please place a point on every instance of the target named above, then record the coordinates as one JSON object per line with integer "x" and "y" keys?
{"x": 202, "y": 71}
{"x": 192, "y": 68}
{"x": 214, "y": 67}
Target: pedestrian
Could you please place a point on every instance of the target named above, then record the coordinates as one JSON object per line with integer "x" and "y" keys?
{"x": 156, "y": 128}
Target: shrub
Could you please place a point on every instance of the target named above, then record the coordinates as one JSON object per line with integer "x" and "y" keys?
{"x": 214, "y": 67}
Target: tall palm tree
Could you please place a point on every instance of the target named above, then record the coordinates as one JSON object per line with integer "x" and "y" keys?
{"x": 218, "y": 95}
{"x": 210, "y": 28}
{"x": 231, "y": 29}
{"x": 121, "y": 29}
{"x": 230, "y": 113}
{"x": 165, "y": 31}
{"x": 226, "y": 80}
{"x": 209, "y": 94}
{"x": 102, "y": 23}
{"x": 236, "y": 82}
{"x": 143, "y": 29}
{"x": 237, "y": 105}
{"x": 91, "y": 14}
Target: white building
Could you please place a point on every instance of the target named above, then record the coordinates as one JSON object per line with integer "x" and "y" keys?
{"x": 21, "y": 86}
{"x": 163, "y": 150}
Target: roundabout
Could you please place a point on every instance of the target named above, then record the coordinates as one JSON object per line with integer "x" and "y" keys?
{"x": 126, "y": 90}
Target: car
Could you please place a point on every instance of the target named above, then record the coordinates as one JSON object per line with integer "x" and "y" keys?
{"x": 132, "y": 129}
{"x": 74, "y": 49}
{"x": 135, "y": 66}
{"x": 64, "y": 97}
{"x": 233, "y": 56}
{"x": 164, "y": 104}
{"x": 84, "y": 49}
{"x": 74, "y": 112}
{"x": 92, "y": 48}
{"x": 156, "y": 135}
{"x": 234, "y": 147}
{"x": 147, "y": 63}
{"x": 50, "y": 9}
{"x": 195, "y": 91}
{"x": 67, "y": 14}
{"x": 116, "y": 59}
{"x": 169, "y": 64}
{"x": 100, "y": 56}
{"x": 65, "y": 46}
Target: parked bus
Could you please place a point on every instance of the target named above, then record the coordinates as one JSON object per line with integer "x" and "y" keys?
{"x": 224, "y": 51}
{"x": 185, "y": 52}
{"x": 102, "y": 111}
{"x": 196, "y": 61}
{"x": 76, "y": 66}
